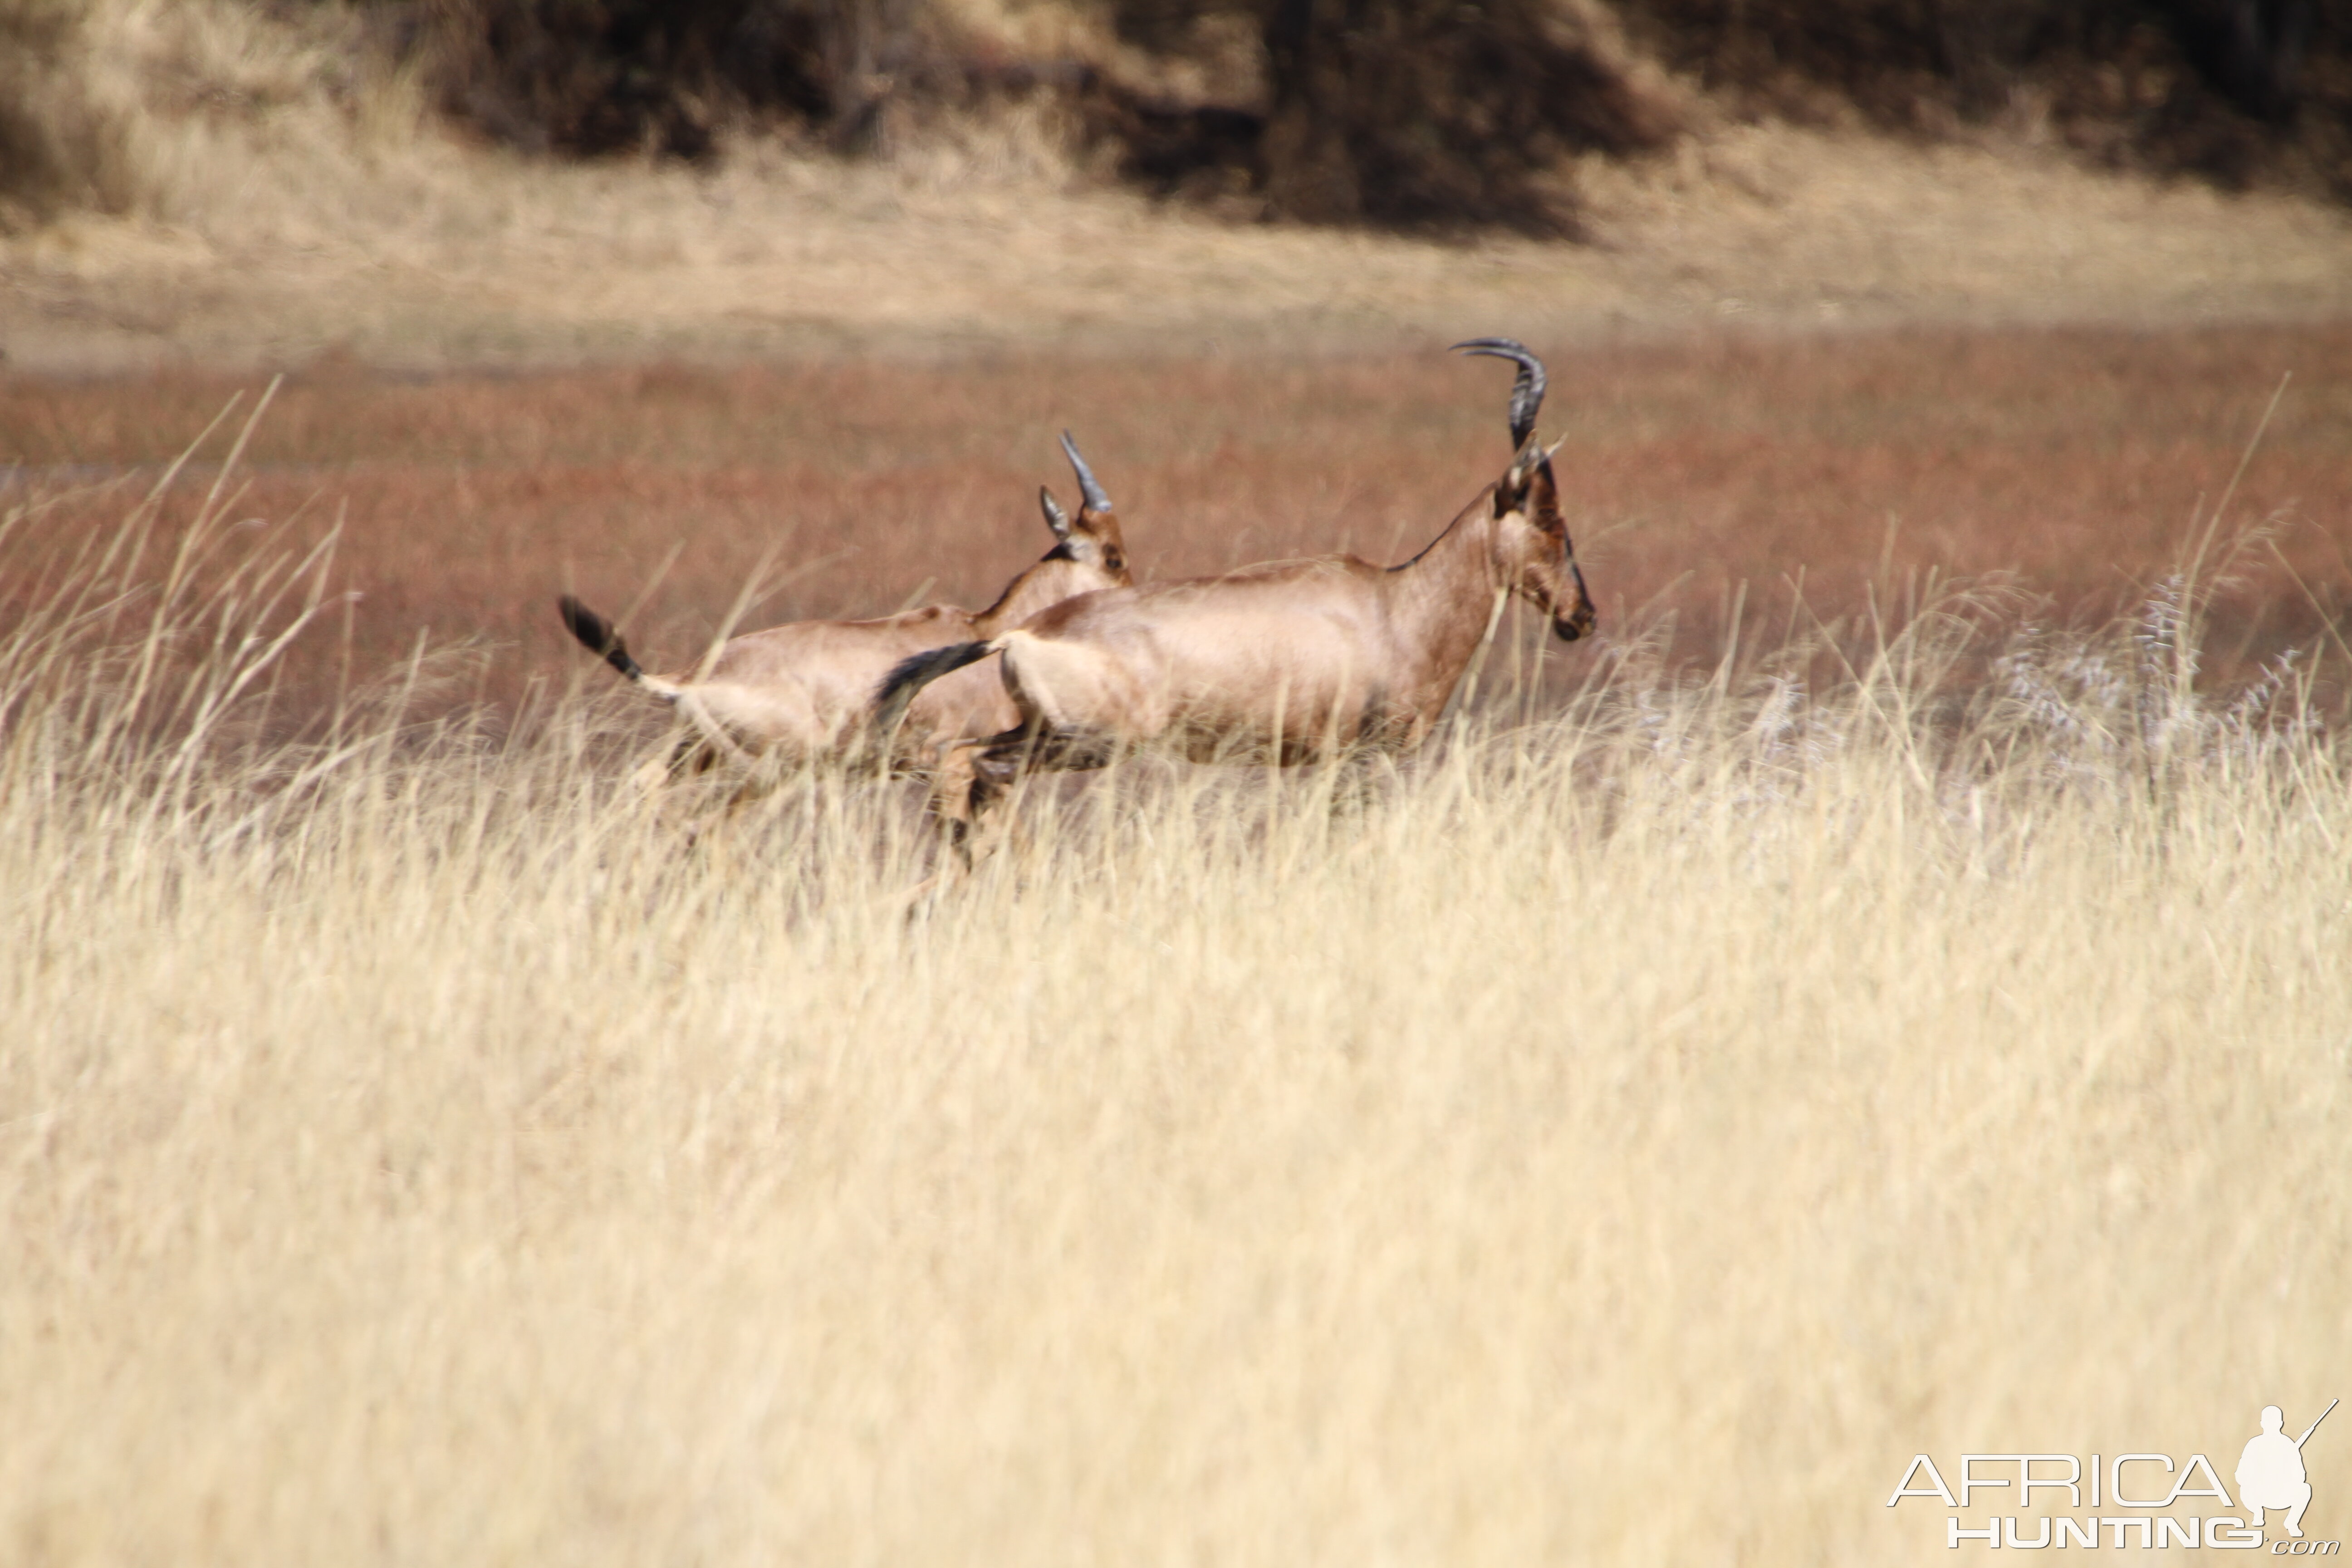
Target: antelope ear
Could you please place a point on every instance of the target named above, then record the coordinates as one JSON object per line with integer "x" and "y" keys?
{"x": 1056, "y": 518}
{"x": 1542, "y": 501}
{"x": 1511, "y": 489}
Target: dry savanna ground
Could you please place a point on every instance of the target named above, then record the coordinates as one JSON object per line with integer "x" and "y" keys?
{"x": 1688, "y": 1093}
{"x": 427, "y": 256}
{"x": 267, "y": 215}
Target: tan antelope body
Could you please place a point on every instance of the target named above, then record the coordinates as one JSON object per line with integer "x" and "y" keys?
{"x": 1289, "y": 662}
{"x": 804, "y": 692}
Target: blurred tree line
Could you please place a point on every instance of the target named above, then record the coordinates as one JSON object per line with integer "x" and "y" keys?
{"x": 1416, "y": 112}
{"x": 2230, "y": 89}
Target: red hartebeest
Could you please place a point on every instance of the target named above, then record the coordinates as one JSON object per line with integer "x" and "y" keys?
{"x": 1285, "y": 663}
{"x": 804, "y": 692}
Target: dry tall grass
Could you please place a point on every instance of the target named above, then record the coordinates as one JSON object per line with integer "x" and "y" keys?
{"x": 1628, "y": 1138}
{"x": 166, "y": 108}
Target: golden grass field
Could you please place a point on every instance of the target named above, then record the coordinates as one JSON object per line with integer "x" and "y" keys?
{"x": 1704, "y": 1080}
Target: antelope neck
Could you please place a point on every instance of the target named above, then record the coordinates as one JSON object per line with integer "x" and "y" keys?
{"x": 1439, "y": 601}
{"x": 1046, "y": 582}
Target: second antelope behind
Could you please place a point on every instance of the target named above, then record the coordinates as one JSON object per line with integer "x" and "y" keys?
{"x": 1286, "y": 663}
{"x": 803, "y": 692}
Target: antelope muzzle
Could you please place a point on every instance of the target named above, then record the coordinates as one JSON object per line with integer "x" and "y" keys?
{"x": 1582, "y": 618}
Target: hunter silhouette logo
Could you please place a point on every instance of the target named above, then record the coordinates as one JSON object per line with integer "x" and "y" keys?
{"x": 2271, "y": 1473}
{"x": 2131, "y": 1500}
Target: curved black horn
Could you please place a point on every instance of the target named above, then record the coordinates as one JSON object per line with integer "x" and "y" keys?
{"x": 1095, "y": 499}
{"x": 1527, "y": 392}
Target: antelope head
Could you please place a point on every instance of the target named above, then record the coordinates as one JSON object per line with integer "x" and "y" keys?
{"x": 1091, "y": 539}
{"x": 1530, "y": 546}
{"x": 1089, "y": 555}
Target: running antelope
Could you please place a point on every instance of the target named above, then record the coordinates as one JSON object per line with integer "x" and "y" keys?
{"x": 1285, "y": 663}
{"x": 802, "y": 693}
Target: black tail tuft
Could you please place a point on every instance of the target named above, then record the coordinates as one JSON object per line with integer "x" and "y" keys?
{"x": 915, "y": 671}
{"x": 597, "y": 636}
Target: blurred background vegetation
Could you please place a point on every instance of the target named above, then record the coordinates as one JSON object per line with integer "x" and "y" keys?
{"x": 1422, "y": 114}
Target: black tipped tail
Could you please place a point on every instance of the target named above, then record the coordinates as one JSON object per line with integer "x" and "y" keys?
{"x": 915, "y": 671}
{"x": 597, "y": 636}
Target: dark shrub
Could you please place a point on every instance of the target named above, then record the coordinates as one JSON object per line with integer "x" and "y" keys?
{"x": 1437, "y": 112}
{"x": 601, "y": 76}
{"x": 2229, "y": 89}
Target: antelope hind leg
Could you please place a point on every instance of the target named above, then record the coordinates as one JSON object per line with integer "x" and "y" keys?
{"x": 950, "y": 804}
{"x": 999, "y": 766}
